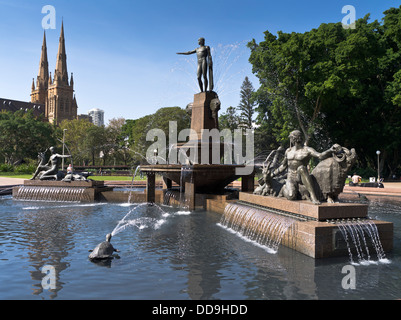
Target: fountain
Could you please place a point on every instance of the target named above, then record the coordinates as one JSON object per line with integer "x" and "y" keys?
{"x": 319, "y": 225}
{"x": 199, "y": 176}
{"x": 48, "y": 183}
{"x": 290, "y": 207}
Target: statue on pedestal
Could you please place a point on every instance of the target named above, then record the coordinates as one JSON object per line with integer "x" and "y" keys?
{"x": 49, "y": 171}
{"x": 325, "y": 182}
{"x": 205, "y": 63}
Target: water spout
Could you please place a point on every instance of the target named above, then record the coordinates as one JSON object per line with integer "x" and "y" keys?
{"x": 359, "y": 235}
{"x": 132, "y": 183}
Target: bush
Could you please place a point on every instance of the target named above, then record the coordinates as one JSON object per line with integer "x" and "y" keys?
{"x": 365, "y": 173}
{"x": 6, "y": 167}
{"x": 25, "y": 168}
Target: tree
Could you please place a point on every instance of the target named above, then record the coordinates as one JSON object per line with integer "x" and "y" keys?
{"x": 95, "y": 141}
{"x": 229, "y": 119}
{"x": 118, "y": 137}
{"x": 75, "y": 136}
{"x": 22, "y": 135}
{"x": 246, "y": 105}
{"x": 159, "y": 120}
{"x": 336, "y": 85}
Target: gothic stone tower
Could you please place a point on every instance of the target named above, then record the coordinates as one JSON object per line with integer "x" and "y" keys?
{"x": 58, "y": 93}
{"x": 39, "y": 94}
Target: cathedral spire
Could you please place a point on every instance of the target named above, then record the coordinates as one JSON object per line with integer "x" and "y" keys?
{"x": 60, "y": 74}
{"x": 43, "y": 75}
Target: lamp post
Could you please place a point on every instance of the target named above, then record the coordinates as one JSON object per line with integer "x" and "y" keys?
{"x": 378, "y": 165}
{"x": 62, "y": 160}
{"x": 155, "y": 155}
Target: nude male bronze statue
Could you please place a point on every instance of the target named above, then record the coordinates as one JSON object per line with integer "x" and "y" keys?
{"x": 204, "y": 63}
{"x": 296, "y": 159}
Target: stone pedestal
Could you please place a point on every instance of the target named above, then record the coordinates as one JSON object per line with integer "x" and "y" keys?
{"x": 310, "y": 234}
{"x": 307, "y": 209}
{"x": 201, "y": 114}
{"x": 150, "y": 187}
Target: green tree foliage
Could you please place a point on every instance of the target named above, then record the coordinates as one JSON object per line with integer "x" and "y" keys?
{"x": 75, "y": 139}
{"x": 247, "y": 104}
{"x": 158, "y": 120}
{"x": 94, "y": 143}
{"x": 22, "y": 136}
{"x": 118, "y": 138}
{"x": 229, "y": 119}
{"x": 336, "y": 85}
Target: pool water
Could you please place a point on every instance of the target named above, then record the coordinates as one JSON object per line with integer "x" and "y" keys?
{"x": 166, "y": 253}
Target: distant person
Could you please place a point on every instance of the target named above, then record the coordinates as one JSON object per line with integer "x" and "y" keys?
{"x": 355, "y": 180}
{"x": 69, "y": 169}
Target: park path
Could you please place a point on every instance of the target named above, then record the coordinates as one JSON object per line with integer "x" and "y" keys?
{"x": 390, "y": 188}
{"x": 5, "y": 181}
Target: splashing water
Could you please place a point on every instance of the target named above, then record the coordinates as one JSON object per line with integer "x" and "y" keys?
{"x": 132, "y": 183}
{"x": 63, "y": 194}
{"x": 358, "y": 234}
{"x": 228, "y": 70}
{"x": 144, "y": 221}
{"x": 258, "y": 226}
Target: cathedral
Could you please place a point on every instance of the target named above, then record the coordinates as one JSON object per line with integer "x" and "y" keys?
{"x": 57, "y": 93}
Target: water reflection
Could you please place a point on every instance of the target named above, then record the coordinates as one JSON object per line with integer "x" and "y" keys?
{"x": 170, "y": 254}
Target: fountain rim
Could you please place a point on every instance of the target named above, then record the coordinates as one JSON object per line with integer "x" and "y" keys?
{"x": 195, "y": 167}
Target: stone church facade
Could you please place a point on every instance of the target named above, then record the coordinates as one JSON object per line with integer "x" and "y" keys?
{"x": 55, "y": 93}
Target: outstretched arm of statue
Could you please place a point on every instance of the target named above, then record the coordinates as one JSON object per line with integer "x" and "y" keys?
{"x": 65, "y": 156}
{"x": 187, "y": 53}
{"x": 325, "y": 154}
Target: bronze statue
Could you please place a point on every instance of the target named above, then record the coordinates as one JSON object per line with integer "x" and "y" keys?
{"x": 42, "y": 166}
{"x": 50, "y": 170}
{"x": 330, "y": 174}
{"x": 296, "y": 159}
{"x": 204, "y": 61}
{"x": 324, "y": 184}
{"x": 215, "y": 106}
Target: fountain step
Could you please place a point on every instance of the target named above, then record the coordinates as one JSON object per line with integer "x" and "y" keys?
{"x": 307, "y": 209}
{"x": 76, "y": 183}
{"x": 313, "y": 238}
{"x": 82, "y": 191}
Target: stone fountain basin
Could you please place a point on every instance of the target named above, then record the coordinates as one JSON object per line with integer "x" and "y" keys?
{"x": 48, "y": 190}
{"x": 207, "y": 178}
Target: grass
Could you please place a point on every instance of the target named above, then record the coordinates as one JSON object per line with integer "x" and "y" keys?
{"x": 115, "y": 178}
{"x": 15, "y": 175}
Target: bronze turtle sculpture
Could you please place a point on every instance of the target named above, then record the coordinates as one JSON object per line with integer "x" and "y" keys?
{"x": 103, "y": 250}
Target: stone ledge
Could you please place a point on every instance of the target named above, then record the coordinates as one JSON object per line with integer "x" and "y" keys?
{"x": 76, "y": 183}
{"x": 315, "y": 239}
{"x": 320, "y": 212}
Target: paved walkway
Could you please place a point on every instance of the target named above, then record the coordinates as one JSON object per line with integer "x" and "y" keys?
{"x": 390, "y": 188}
{"x": 5, "y": 181}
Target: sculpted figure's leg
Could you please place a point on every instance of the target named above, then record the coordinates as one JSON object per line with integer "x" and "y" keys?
{"x": 308, "y": 183}
{"x": 50, "y": 174}
{"x": 199, "y": 74}
{"x": 39, "y": 169}
{"x": 289, "y": 190}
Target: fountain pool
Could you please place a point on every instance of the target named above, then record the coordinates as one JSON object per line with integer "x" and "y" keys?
{"x": 171, "y": 254}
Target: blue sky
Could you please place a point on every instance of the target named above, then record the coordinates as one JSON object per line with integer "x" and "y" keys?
{"x": 123, "y": 53}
